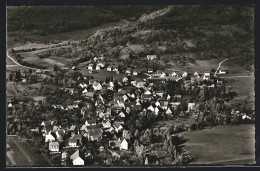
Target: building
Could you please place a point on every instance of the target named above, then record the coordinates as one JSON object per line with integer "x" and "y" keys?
{"x": 77, "y": 158}
{"x": 118, "y": 127}
{"x": 54, "y": 147}
{"x": 151, "y": 57}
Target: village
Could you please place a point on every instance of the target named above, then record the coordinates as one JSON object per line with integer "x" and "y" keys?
{"x": 82, "y": 120}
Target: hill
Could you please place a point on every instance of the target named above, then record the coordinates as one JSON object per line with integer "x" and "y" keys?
{"x": 55, "y": 19}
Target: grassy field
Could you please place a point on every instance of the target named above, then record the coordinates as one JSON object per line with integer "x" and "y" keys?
{"x": 23, "y": 155}
{"x": 244, "y": 86}
{"x": 225, "y": 144}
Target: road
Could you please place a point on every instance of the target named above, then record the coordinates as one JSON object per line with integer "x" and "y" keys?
{"x": 18, "y": 63}
{"x": 219, "y": 65}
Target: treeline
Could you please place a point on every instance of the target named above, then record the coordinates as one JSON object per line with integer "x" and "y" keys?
{"x": 47, "y": 20}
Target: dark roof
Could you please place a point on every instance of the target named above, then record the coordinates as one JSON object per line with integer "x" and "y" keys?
{"x": 116, "y": 124}
{"x": 96, "y": 133}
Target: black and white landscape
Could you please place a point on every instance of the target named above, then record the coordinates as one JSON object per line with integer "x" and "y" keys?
{"x": 130, "y": 85}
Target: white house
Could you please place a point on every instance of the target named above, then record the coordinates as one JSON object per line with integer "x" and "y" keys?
{"x": 191, "y": 106}
{"x": 185, "y": 74}
{"x": 54, "y": 147}
{"x": 84, "y": 91}
{"x": 121, "y": 114}
{"x": 97, "y": 67}
{"x": 97, "y": 86}
{"x": 156, "y": 110}
{"x": 157, "y": 103}
{"x": 49, "y": 137}
{"x": 151, "y": 57}
{"x": 90, "y": 67}
{"x": 124, "y": 145}
{"x": 76, "y": 159}
{"x": 135, "y": 73}
{"x": 168, "y": 111}
{"x": 151, "y": 108}
{"x": 125, "y": 79}
{"x": 109, "y": 68}
{"x": 106, "y": 124}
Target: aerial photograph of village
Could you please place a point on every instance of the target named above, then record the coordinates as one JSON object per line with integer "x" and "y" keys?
{"x": 130, "y": 85}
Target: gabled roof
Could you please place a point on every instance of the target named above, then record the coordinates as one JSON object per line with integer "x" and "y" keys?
{"x": 116, "y": 124}
{"x": 75, "y": 155}
{"x": 72, "y": 140}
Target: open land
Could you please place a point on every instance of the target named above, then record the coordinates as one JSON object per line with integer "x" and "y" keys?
{"x": 26, "y": 156}
{"x": 223, "y": 144}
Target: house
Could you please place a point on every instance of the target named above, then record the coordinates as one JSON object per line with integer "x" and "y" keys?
{"x": 72, "y": 142}
{"x": 191, "y": 106}
{"x": 59, "y": 134}
{"x": 94, "y": 133}
{"x": 126, "y": 134}
{"x": 98, "y": 67}
{"x": 173, "y": 78}
{"x": 96, "y": 86}
{"x": 64, "y": 157}
{"x": 115, "y": 69}
{"x": 135, "y": 73}
{"x": 10, "y": 105}
{"x": 69, "y": 107}
{"x": 168, "y": 111}
{"x": 49, "y": 137}
{"x": 157, "y": 103}
{"x": 206, "y": 76}
{"x": 156, "y": 111}
{"x": 159, "y": 93}
{"x": 128, "y": 71}
{"x": 78, "y": 138}
{"x": 185, "y": 74}
{"x": 118, "y": 127}
{"x": 109, "y": 68}
{"x": 77, "y": 158}
{"x": 151, "y": 57}
{"x": 124, "y": 79}
{"x": 89, "y": 95}
{"x": 124, "y": 145}
{"x": 90, "y": 67}
{"x": 151, "y": 108}
{"x": 147, "y": 92}
{"x": 147, "y": 97}
{"x": 90, "y": 122}
{"x": 140, "y": 84}
{"x": 106, "y": 124}
{"x": 121, "y": 114}
{"x": 164, "y": 104}
{"x": 222, "y": 71}
{"x": 54, "y": 147}
{"x": 173, "y": 74}
{"x": 196, "y": 74}
{"x": 84, "y": 91}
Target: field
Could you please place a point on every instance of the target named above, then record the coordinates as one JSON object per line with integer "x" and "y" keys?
{"x": 21, "y": 154}
{"x": 225, "y": 144}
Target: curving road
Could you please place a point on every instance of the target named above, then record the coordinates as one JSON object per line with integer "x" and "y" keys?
{"x": 219, "y": 65}
{"x": 18, "y": 63}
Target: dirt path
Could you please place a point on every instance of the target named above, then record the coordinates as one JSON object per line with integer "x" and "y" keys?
{"x": 219, "y": 65}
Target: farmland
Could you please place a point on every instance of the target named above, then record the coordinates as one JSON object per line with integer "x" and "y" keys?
{"x": 222, "y": 144}
{"x": 23, "y": 155}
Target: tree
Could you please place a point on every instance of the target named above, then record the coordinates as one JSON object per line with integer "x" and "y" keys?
{"x": 11, "y": 76}
{"x": 56, "y": 68}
